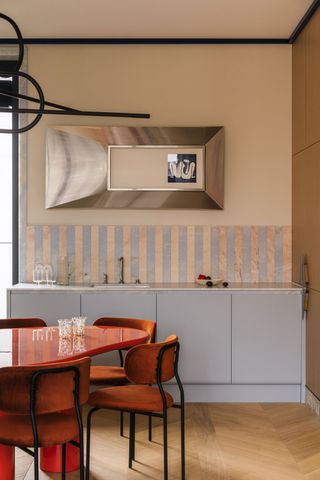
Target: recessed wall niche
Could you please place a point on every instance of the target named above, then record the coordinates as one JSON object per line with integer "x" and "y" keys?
{"x": 135, "y": 167}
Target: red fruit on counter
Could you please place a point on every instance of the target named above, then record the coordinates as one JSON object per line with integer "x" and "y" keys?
{"x": 201, "y": 277}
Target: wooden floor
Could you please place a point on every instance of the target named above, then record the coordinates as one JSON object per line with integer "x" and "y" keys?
{"x": 224, "y": 442}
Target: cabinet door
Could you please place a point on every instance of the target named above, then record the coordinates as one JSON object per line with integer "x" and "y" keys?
{"x": 299, "y": 93}
{"x": 305, "y": 213}
{"x": 266, "y": 338}
{"x": 203, "y": 323}
{"x": 313, "y": 79}
{"x": 117, "y": 304}
{"x": 48, "y": 306}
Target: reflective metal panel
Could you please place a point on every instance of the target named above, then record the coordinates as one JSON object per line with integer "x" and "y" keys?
{"x": 79, "y": 171}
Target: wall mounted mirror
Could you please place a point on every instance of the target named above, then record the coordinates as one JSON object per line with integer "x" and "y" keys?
{"x": 135, "y": 167}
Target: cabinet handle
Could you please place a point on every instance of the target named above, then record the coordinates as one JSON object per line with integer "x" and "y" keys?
{"x": 306, "y": 285}
{"x": 306, "y": 300}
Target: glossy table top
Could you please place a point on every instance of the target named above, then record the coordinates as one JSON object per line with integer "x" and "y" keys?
{"x": 28, "y": 346}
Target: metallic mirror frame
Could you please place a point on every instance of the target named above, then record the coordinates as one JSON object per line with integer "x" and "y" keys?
{"x": 77, "y": 167}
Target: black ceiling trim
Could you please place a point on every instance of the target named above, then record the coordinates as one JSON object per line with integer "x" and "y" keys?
{"x": 304, "y": 20}
{"x": 148, "y": 41}
{"x": 173, "y": 41}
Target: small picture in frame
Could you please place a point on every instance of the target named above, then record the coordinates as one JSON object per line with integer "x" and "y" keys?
{"x": 182, "y": 168}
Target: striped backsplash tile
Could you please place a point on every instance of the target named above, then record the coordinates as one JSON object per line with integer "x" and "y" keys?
{"x": 156, "y": 253}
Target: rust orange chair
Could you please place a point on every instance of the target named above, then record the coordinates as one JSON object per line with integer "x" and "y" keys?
{"x": 115, "y": 375}
{"x": 35, "y": 399}
{"x": 22, "y": 322}
{"x": 145, "y": 365}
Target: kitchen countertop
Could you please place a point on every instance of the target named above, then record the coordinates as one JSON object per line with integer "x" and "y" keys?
{"x": 27, "y": 287}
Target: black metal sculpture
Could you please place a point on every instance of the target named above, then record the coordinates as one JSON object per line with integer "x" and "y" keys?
{"x": 41, "y": 101}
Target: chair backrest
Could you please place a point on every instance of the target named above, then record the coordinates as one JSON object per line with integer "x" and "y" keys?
{"x": 21, "y": 322}
{"x": 54, "y": 391}
{"x": 148, "y": 326}
{"x": 143, "y": 361}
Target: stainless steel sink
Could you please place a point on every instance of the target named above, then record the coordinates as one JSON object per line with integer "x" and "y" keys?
{"x": 109, "y": 286}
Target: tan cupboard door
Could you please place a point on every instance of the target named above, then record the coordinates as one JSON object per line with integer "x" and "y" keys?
{"x": 306, "y": 213}
{"x": 299, "y": 93}
{"x": 313, "y": 79}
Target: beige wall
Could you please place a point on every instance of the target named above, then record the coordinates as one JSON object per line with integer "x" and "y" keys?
{"x": 246, "y": 89}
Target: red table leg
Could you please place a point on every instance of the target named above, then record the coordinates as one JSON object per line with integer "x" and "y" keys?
{"x": 7, "y": 462}
{"x": 51, "y": 459}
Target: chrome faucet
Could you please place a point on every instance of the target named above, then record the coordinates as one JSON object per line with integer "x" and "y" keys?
{"x": 120, "y": 260}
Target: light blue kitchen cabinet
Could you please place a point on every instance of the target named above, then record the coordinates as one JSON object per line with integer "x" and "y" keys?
{"x": 203, "y": 324}
{"x": 50, "y": 306}
{"x": 266, "y": 338}
{"x": 118, "y": 304}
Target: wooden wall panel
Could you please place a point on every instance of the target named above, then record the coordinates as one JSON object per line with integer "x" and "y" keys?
{"x": 306, "y": 213}
{"x": 313, "y": 336}
{"x": 306, "y": 181}
{"x": 299, "y": 94}
{"x": 313, "y": 79}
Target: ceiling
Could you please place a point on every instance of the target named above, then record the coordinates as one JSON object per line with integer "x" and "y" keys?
{"x": 154, "y": 18}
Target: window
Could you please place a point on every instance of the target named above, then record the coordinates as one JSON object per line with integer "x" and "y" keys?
{"x": 8, "y": 179}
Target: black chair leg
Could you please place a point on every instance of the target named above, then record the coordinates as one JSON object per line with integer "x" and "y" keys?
{"x": 150, "y": 428}
{"x": 183, "y": 460}
{"x": 132, "y": 439}
{"x": 121, "y": 423}
{"x": 36, "y": 463}
{"x": 64, "y": 458}
{"x": 165, "y": 445}
{"x": 82, "y": 456}
{"x": 88, "y": 442}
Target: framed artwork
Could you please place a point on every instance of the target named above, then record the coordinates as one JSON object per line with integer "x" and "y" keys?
{"x": 182, "y": 168}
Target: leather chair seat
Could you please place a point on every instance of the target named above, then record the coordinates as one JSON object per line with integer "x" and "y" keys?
{"x": 53, "y": 429}
{"x": 133, "y": 398}
{"x": 106, "y": 375}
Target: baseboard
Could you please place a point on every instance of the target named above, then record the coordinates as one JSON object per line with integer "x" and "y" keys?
{"x": 238, "y": 393}
{"x": 312, "y": 401}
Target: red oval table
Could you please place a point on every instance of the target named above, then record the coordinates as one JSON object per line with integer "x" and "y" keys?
{"x": 28, "y": 346}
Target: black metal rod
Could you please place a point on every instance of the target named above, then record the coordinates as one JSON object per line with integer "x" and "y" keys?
{"x": 134, "y": 437}
{"x": 38, "y": 117}
{"x": 63, "y": 461}
{"x": 182, "y": 413}
{"x": 165, "y": 445}
{"x": 18, "y": 40}
{"x": 121, "y": 357}
{"x": 89, "y": 418}
{"x": 131, "y": 439}
{"x": 36, "y": 461}
{"x": 34, "y": 99}
{"x": 148, "y": 41}
{"x": 121, "y": 424}
{"x": 150, "y": 428}
{"x": 153, "y": 414}
{"x": 75, "y": 443}
{"x": 27, "y": 450}
{"x": 304, "y": 20}
{"x": 74, "y": 113}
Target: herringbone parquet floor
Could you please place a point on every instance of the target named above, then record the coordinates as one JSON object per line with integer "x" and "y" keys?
{"x": 224, "y": 442}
